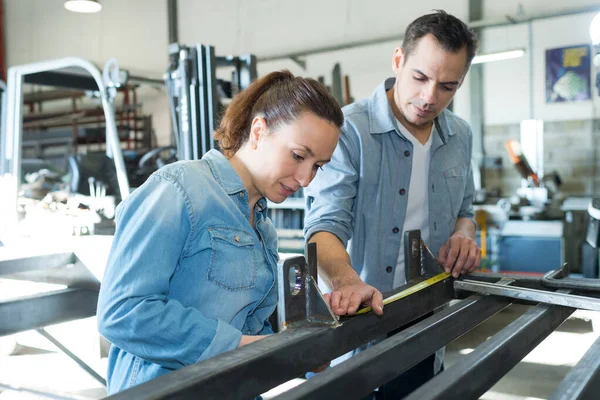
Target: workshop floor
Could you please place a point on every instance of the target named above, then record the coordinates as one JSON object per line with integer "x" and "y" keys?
{"x": 533, "y": 378}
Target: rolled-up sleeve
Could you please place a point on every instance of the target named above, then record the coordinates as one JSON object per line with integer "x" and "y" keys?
{"x": 154, "y": 227}
{"x": 331, "y": 195}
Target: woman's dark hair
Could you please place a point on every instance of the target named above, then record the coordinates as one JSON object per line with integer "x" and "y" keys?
{"x": 450, "y": 32}
{"x": 280, "y": 97}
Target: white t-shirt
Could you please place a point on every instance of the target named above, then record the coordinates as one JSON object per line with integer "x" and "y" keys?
{"x": 417, "y": 209}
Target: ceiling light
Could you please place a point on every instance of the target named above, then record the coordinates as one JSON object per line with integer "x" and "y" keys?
{"x": 83, "y": 6}
{"x": 503, "y": 55}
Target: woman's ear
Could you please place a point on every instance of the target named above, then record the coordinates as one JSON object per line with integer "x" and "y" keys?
{"x": 258, "y": 130}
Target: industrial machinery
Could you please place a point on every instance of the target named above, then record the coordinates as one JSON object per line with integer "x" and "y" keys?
{"x": 66, "y": 72}
{"x": 314, "y": 336}
{"x": 197, "y": 97}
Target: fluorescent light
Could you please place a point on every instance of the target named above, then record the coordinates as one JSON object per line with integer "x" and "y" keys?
{"x": 83, "y": 6}
{"x": 504, "y": 55}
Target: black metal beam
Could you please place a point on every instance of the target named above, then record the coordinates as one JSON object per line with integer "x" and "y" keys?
{"x": 583, "y": 382}
{"x": 33, "y": 312}
{"x": 526, "y": 281}
{"x": 256, "y": 368}
{"x": 475, "y": 373}
{"x": 172, "y": 20}
{"x": 377, "y": 365}
{"x": 61, "y": 79}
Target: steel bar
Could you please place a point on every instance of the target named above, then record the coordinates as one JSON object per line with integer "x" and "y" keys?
{"x": 476, "y": 372}
{"x": 33, "y": 312}
{"x": 285, "y": 355}
{"x": 533, "y": 295}
{"x": 377, "y": 365}
{"x": 72, "y": 356}
{"x": 9, "y": 266}
{"x": 558, "y": 279}
{"x": 527, "y": 281}
{"x": 583, "y": 381}
{"x": 212, "y": 98}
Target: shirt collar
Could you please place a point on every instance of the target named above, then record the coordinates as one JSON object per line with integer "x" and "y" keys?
{"x": 227, "y": 178}
{"x": 223, "y": 172}
{"x": 382, "y": 119}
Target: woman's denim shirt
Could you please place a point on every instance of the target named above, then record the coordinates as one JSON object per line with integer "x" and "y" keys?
{"x": 187, "y": 274}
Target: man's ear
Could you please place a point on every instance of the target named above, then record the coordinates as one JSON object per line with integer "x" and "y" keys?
{"x": 258, "y": 129}
{"x": 398, "y": 59}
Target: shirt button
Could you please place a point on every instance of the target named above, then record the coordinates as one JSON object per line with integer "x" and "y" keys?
{"x": 388, "y": 270}
{"x": 396, "y": 230}
{"x": 407, "y": 153}
{"x": 236, "y": 238}
{"x": 402, "y": 191}
{"x": 241, "y": 194}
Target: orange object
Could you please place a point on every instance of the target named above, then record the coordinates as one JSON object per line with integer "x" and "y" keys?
{"x": 518, "y": 158}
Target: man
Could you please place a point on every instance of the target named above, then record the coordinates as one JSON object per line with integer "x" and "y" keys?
{"x": 403, "y": 162}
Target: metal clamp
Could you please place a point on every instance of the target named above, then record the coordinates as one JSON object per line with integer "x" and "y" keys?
{"x": 301, "y": 302}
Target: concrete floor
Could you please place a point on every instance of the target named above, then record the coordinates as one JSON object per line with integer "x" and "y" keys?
{"x": 533, "y": 378}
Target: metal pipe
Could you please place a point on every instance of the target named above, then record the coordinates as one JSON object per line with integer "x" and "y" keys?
{"x": 379, "y": 364}
{"x": 507, "y": 20}
{"x": 72, "y": 356}
{"x": 15, "y": 118}
{"x": 558, "y": 279}
{"x": 172, "y": 21}
{"x": 476, "y": 372}
{"x": 532, "y": 295}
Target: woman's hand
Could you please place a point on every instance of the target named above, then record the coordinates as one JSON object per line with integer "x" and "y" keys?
{"x": 247, "y": 339}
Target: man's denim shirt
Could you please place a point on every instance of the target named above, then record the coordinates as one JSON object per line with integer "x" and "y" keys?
{"x": 361, "y": 195}
{"x": 187, "y": 274}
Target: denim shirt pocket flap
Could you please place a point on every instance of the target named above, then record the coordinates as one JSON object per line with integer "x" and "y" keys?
{"x": 456, "y": 178}
{"x": 233, "y": 262}
{"x": 456, "y": 172}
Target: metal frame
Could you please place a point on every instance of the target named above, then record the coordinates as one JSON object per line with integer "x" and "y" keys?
{"x": 12, "y": 136}
{"x": 475, "y": 373}
{"x": 77, "y": 301}
{"x": 40, "y": 310}
{"x": 258, "y": 367}
{"x": 286, "y": 355}
{"x": 583, "y": 382}
{"x": 379, "y": 364}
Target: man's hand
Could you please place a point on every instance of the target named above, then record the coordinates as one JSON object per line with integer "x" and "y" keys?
{"x": 348, "y": 298}
{"x": 460, "y": 255}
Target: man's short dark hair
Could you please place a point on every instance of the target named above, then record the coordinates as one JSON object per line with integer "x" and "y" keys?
{"x": 450, "y": 32}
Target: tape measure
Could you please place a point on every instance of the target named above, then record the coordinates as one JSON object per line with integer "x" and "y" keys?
{"x": 410, "y": 290}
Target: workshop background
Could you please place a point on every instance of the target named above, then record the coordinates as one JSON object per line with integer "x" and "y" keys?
{"x": 516, "y": 91}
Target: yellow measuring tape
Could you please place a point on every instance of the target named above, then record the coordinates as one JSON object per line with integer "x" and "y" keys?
{"x": 410, "y": 290}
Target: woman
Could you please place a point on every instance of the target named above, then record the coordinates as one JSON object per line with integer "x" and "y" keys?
{"x": 191, "y": 273}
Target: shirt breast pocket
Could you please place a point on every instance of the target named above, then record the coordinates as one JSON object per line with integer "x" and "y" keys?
{"x": 233, "y": 262}
{"x": 456, "y": 181}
